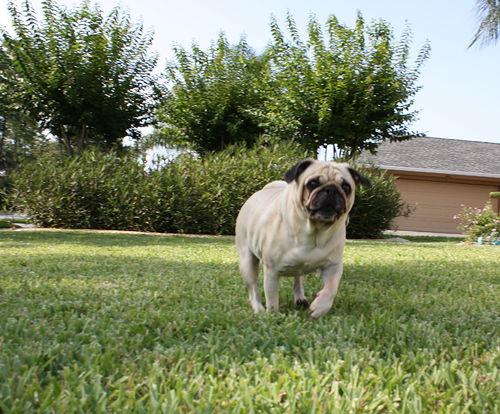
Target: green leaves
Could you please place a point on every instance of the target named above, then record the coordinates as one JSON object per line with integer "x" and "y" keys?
{"x": 213, "y": 96}
{"x": 479, "y": 222}
{"x": 376, "y": 207}
{"x": 85, "y": 77}
{"x": 488, "y": 14}
{"x": 187, "y": 195}
{"x": 352, "y": 89}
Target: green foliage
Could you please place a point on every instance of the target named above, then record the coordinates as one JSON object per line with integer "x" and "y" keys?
{"x": 20, "y": 142}
{"x": 4, "y": 191}
{"x": 10, "y": 223}
{"x": 20, "y": 139}
{"x": 115, "y": 323}
{"x": 187, "y": 195}
{"x": 479, "y": 222}
{"x": 376, "y": 207}
{"x": 212, "y": 96}
{"x": 204, "y": 196}
{"x": 84, "y": 77}
{"x": 488, "y": 16}
{"x": 94, "y": 191}
{"x": 20, "y": 136}
{"x": 88, "y": 80}
{"x": 352, "y": 88}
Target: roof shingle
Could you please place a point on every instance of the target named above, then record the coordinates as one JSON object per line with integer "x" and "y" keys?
{"x": 439, "y": 155}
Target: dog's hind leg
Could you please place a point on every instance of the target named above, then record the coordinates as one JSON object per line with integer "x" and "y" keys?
{"x": 298, "y": 292}
{"x": 249, "y": 269}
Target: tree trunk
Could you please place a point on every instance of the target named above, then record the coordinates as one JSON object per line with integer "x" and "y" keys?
{"x": 15, "y": 156}
{"x": 354, "y": 152}
{"x": 60, "y": 141}
{"x": 69, "y": 151}
{"x": 81, "y": 140}
{"x": 2, "y": 140}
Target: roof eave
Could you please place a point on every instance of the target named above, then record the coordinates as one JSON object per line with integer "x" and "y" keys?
{"x": 440, "y": 172}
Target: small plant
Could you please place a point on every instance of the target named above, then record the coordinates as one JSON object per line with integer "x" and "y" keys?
{"x": 479, "y": 225}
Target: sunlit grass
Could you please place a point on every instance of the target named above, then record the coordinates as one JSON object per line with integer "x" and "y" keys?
{"x": 93, "y": 322}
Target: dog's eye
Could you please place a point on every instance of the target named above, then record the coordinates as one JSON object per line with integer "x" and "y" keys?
{"x": 347, "y": 188}
{"x": 311, "y": 185}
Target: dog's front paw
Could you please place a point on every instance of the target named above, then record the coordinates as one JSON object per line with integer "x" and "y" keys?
{"x": 257, "y": 307}
{"x": 319, "y": 308}
{"x": 302, "y": 303}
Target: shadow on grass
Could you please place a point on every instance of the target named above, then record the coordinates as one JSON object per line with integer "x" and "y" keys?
{"x": 96, "y": 238}
{"x": 165, "y": 302}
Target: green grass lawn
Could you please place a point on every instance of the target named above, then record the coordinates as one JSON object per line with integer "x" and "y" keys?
{"x": 132, "y": 323}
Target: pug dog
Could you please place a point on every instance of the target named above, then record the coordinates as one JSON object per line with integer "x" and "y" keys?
{"x": 297, "y": 226}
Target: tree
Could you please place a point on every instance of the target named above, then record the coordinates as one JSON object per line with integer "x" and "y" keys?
{"x": 86, "y": 78}
{"x": 488, "y": 13}
{"x": 352, "y": 89}
{"x": 213, "y": 96}
{"x": 20, "y": 137}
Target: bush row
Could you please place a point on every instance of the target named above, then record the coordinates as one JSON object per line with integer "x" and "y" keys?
{"x": 186, "y": 195}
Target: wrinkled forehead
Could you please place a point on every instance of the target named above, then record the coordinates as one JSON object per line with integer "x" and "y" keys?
{"x": 330, "y": 172}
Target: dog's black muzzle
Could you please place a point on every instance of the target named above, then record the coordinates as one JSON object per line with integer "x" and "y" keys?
{"x": 328, "y": 203}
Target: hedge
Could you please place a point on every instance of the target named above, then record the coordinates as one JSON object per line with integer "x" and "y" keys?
{"x": 187, "y": 195}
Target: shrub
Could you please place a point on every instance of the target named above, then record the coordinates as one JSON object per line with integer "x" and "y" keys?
{"x": 476, "y": 222}
{"x": 93, "y": 191}
{"x": 204, "y": 196}
{"x": 186, "y": 195}
{"x": 375, "y": 208}
{"x": 4, "y": 190}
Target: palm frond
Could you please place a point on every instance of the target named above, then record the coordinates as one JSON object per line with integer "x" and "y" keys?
{"x": 488, "y": 14}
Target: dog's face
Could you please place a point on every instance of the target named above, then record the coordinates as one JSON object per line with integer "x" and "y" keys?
{"x": 325, "y": 189}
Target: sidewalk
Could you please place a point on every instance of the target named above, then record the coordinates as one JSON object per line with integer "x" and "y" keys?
{"x": 422, "y": 233}
{"x": 10, "y": 216}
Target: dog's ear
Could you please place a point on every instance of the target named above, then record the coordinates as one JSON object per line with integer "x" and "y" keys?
{"x": 358, "y": 178}
{"x": 297, "y": 169}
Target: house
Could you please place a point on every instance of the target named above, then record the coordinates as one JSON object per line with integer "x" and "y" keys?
{"x": 440, "y": 175}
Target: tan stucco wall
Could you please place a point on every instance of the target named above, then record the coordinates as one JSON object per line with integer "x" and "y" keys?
{"x": 437, "y": 203}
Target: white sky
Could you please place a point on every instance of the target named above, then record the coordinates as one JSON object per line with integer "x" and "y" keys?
{"x": 461, "y": 86}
